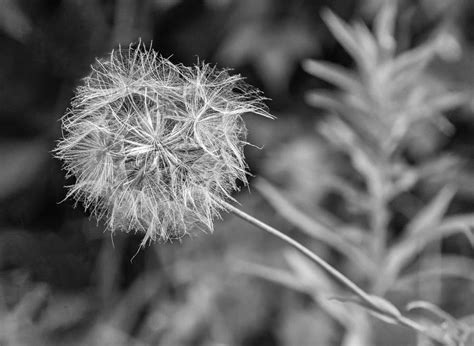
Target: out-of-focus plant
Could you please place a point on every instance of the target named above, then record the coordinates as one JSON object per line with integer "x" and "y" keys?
{"x": 272, "y": 44}
{"x": 386, "y": 115}
{"x": 156, "y": 148}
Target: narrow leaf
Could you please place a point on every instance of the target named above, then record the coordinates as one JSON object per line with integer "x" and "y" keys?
{"x": 308, "y": 272}
{"x": 344, "y": 35}
{"x": 368, "y": 44}
{"x": 446, "y": 266}
{"x": 384, "y": 26}
{"x": 318, "y": 284}
{"x": 310, "y": 226}
{"x": 406, "y": 250}
{"x": 440, "y": 103}
{"x": 406, "y": 66}
{"x": 355, "y": 107}
{"x": 335, "y": 74}
{"x": 432, "y": 213}
{"x": 449, "y": 226}
{"x": 278, "y": 276}
{"x": 384, "y": 310}
{"x": 432, "y": 308}
{"x": 325, "y": 100}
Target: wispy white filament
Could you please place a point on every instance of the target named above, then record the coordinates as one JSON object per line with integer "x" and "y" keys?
{"x": 156, "y": 147}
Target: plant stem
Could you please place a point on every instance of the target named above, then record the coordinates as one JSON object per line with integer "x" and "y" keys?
{"x": 379, "y": 220}
{"x": 335, "y": 274}
{"x": 323, "y": 232}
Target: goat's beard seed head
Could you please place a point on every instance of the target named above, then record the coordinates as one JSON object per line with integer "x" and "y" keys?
{"x": 156, "y": 147}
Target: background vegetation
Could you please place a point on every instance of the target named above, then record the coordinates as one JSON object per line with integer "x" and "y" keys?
{"x": 369, "y": 164}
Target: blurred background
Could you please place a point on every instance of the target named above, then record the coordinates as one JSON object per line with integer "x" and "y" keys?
{"x": 64, "y": 281}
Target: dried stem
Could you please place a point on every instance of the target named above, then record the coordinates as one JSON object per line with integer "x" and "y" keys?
{"x": 343, "y": 280}
{"x": 307, "y": 252}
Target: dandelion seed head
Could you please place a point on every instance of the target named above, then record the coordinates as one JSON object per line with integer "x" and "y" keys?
{"x": 156, "y": 147}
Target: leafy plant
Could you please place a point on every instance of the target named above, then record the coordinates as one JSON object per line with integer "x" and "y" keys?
{"x": 378, "y": 114}
{"x": 156, "y": 148}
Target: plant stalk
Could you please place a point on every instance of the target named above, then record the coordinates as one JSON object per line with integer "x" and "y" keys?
{"x": 335, "y": 274}
{"x": 380, "y": 218}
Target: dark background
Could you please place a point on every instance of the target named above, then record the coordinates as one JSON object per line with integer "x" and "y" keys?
{"x": 64, "y": 281}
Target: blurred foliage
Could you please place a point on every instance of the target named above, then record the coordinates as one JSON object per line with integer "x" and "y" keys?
{"x": 393, "y": 121}
{"x": 387, "y": 118}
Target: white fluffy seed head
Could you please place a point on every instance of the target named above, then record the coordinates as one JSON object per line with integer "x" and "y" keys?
{"x": 156, "y": 147}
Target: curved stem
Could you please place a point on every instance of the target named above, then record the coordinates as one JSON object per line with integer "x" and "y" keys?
{"x": 307, "y": 252}
{"x": 335, "y": 274}
{"x": 318, "y": 230}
